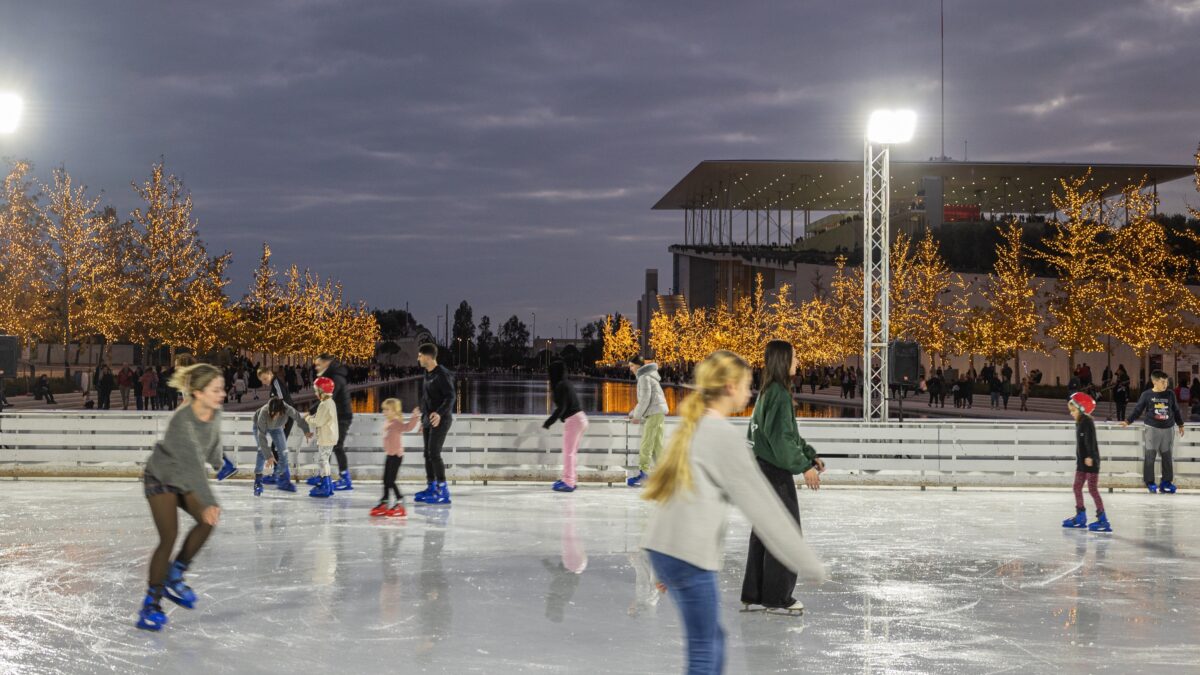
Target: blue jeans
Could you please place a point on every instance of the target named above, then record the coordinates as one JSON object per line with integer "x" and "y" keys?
{"x": 277, "y": 437}
{"x": 695, "y": 593}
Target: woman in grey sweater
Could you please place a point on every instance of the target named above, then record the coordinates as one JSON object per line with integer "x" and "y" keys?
{"x": 175, "y": 478}
{"x": 707, "y": 466}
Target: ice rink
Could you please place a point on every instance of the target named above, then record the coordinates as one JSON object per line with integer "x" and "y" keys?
{"x": 517, "y": 579}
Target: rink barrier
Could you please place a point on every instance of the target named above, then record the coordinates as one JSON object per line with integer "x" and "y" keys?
{"x": 514, "y": 447}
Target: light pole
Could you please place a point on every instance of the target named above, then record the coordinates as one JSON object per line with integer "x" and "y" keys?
{"x": 884, "y": 128}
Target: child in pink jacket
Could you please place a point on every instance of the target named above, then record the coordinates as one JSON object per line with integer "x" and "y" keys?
{"x": 393, "y": 445}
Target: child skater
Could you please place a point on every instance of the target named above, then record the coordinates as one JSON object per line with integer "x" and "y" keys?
{"x": 1087, "y": 463}
{"x": 269, "y": 422}
{"x": 706, "y": 467}
{"x": 175, "y": 478}
{"x": 394, "y": 429}
{"x": 575, "y": 423}
{"x": 324, "y": 424}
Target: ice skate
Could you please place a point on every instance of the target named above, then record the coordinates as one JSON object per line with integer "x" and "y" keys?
{"x": 1152, "y": 488}
{"x": 323, "y": 489}
{"x": 269, "y": 479}
{"x": 397, "y": 511}
{"x": 1101, "y": 524}
{"x": 424, "y": 496}
{"x": 636, "y": 481}
{"x": 441, "y": 495}
{"x": 560, "y": 486}
{"x": 285, "y": 483}
{"x": 1166, "y": 488}
{"x": 343, "y": 483}
{"x": 258, "y": 483}
{"x": 1078, "y": 521}
{"x": 751, "y": 607}
{"x": 313, "y": 480}
{"x": 151, "y": 616}
{"x": 794, "y": 609}
{"x": 380, "y": 509}
{"x": 227, "y": 469}
{"x": 176, "y": 590}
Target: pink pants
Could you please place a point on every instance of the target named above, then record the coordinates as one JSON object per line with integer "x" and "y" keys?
{"x": 574, "y": 426}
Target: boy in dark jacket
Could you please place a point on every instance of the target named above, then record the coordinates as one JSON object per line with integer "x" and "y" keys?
{"x": 1087, "y": 463}
{"x": 1161, "y": 416}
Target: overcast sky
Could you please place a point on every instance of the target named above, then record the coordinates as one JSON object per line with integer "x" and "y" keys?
{"x": 508, "y": 152}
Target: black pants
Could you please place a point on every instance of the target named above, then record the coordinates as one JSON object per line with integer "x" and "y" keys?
{"x": 104, "y": 398}
{"x": 339, "y": 450}
{"x": 768, "y": 582}
{"x": 391, "y": 467}
{"x": 434, "y": 437}
{"x": 1121, "y": 405}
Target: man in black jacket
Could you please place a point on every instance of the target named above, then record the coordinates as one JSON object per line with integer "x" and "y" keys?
{"x": 437, "y": 413}
{"x": 328, "y": 366}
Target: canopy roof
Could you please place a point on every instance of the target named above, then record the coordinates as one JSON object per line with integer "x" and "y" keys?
{"x": 1010, "y": 187}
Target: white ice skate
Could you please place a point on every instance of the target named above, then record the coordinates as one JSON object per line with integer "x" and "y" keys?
{"x": 795, "y": 609}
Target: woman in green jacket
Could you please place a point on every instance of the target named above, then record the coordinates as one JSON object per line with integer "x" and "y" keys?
{"x": 781, "y": 455}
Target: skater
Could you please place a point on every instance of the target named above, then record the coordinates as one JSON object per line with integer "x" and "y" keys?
{"x": 706, "y": 467}
{"x": 174, "y": 478}
{"x": 1161, "y": 412}
{"x": 650, "y": 412}
{"x": 268, "y": 430}
{"x": 329, "y": 367}
{"x": 393, "y": 447}
{"x": 1087, "y": 464}
{"x": 437, "y": 414}
{"x": 276, "y": 389}
{"x": 324, "y": 424}
{"x": 575, "y": 423}
{"x": 781, "y": 455}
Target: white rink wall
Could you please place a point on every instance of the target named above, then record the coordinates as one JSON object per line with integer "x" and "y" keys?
{"x": 514, "y": 447}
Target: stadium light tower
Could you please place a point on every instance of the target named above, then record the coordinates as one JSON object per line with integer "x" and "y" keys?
{"x": 884, "y": 128}
{"x": 11, "y": 106}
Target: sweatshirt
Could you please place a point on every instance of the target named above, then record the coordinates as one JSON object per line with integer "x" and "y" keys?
{"x": 1160, "y": 408}
{"x": 178, "y": 459}
{"x": 566, "y": 403}
{"x": 264, "y": 423}
{"x": 691, "y": 524}
{"x": 437, "y": 395}
{"x": 393, "y": 434}
{"x": 773, "y": 433}
{"x": 325, "y": 423}
{"x": 651, "y": 400}
{"x": 1085, "y": 444}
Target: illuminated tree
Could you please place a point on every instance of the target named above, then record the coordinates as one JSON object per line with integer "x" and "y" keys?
{"x": 620, "y": 342}
{"x": 844, "y": 328}
{"x": 24, "y": 284}
{"x": 930, "y": 290}
{"x": 1076, "y": 253}
{"x": 1007, "y": 322}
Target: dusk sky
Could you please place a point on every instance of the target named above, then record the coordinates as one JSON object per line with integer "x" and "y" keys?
{"x": 508, "y": 152}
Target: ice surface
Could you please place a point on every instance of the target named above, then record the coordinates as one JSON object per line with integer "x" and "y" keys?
{"x": 517, "y": 579}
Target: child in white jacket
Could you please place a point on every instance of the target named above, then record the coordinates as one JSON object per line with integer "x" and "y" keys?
{"x": 324, "y": 424}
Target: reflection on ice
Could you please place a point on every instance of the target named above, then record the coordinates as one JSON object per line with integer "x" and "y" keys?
{"x": 519, "y": 579}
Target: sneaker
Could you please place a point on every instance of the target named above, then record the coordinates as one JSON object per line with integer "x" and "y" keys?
{"x": 381, "y": 509}
{"x": 636, "y": 481}
{"x": 397, "y": 511}
{"x": 1152, "y": 487}
{"x": 1167, "y": 488}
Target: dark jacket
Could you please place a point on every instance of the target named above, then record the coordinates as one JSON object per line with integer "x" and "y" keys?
{"x": 341, "y": 394}
{"x": 774, "y": 435}
{"x": 437, "y": 395}
{"x": 282, "y": 391}
{"x": 566, "y": 401}
{"x": 1085, "y": 444}
{"x": 1161, "y": 409}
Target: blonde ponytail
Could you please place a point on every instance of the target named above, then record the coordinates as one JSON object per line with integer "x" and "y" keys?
{"x": 712, "y": 376}
{"x": 193, "y": 378}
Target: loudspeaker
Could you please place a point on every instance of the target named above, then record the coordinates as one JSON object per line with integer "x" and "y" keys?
{"x": 10, "y": 350}
{"x": 904, "y": 362}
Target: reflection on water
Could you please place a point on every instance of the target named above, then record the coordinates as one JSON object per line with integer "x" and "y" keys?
{"x": 493, "y": 396}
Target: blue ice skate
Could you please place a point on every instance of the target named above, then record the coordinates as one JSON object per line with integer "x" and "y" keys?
{"x": 176, "y": 590}
{"x": 1152, "y": 487}
{"x": 151, "y": 616}
{"x": 323, "y": 489}
{"x": 636, "y": 481}
{"x": 1101, "y": 524}
{"x": 227, "y": 469}
{"x": 344, "y": 483}
{"x": 560, "y": 486}
{"x": 313, "y": 480}
{"x": 1078, "y": 521}
{"x": 441, "y": 495}
{"x": 270, "y": 479}
{"x": 1166, "y": 488}
{"x": 285, "y": 482}
{"x": 258, "y": 483}
{"x": 425, "y": 495}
